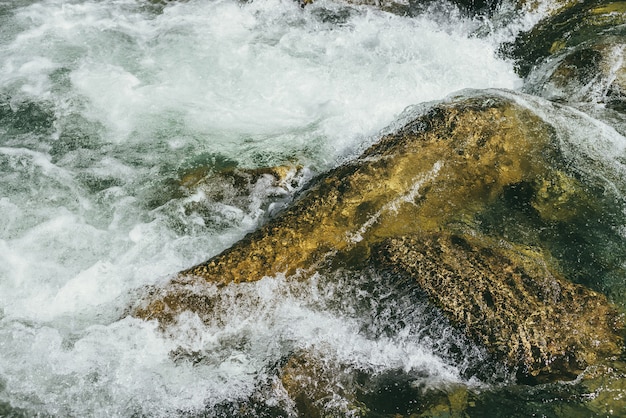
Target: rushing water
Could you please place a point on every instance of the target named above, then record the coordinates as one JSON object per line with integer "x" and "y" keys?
{"x": 105, "y": 106}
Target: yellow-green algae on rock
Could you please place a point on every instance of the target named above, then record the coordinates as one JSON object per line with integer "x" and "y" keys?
{"x": 576, "y": 54}
{"x": 416, "y": 195}
{"x": 319, "y": 389}
{"x": 581, "y": 22}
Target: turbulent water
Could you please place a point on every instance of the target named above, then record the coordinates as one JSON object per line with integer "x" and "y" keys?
{"x": 106, "y": 105}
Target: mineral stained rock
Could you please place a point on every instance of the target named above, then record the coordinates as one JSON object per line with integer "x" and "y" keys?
{"x": 416, "y": 195}
{"x": 509, "y": 299}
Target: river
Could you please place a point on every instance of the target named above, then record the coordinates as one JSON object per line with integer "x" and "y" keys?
{"x": 105, "y": 106}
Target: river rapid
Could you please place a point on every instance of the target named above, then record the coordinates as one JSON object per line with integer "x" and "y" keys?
{"x": 106, "y": 105}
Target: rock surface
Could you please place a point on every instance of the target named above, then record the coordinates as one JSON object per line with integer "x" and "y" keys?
{"x": 418, "y": 195}
{"x": 576, "y": 54}
{"x": 509, "y": 299}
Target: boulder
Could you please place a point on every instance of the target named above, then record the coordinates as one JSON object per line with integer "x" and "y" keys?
{"x": 414, "y": 203}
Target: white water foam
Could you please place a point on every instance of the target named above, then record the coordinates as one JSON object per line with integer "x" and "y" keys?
{"x": 263, "y": 72}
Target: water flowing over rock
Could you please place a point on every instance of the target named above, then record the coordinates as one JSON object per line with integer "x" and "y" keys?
{"x": 415, "y": 7}
{"x": 458, "y": 200}
{"x": 413, "y": 203}
{"x": 468, "y": 260}
{"x": 576, "y": 54}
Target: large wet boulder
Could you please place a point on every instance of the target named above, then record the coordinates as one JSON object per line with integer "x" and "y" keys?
{"x": 423, "y": 202}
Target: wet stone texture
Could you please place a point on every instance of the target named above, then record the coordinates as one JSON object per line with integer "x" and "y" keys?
{"x": 320, "y": 388}
{"x": 413, "y": 203}
{"x": 509, "y": 299}
{"x": 576, "y": 55}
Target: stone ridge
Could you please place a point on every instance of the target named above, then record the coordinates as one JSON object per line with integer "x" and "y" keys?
{"x": 510, "y": 300}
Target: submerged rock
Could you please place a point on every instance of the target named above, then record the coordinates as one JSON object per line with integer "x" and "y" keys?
{"x": 576, "y": 54}
{"x": 598, "y": 393}
{"x": 416, "y": 7}
{"x": 25, "y": 117}
{"x": 414, "y": 203}
{"x": 319, "y": 389}
{"x": 253, "y": 191}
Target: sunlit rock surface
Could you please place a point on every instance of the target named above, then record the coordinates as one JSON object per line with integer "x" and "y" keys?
{"x": 420, "y": 202}
{"x": 322, "y": 388}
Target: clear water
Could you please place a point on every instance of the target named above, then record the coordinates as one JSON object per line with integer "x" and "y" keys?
{"x": 105, "y": 105}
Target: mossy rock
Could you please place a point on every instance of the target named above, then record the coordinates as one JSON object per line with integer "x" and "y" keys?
{"x": 576, "y": 54}
{"x": 583, "y": 22}
{"x": 321, "y": 388}
{"x": 217, "y": 192}
{"x": 599, "y": 392}
{"x": 593, "y": 72}
{"x": 443, "y": 174}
